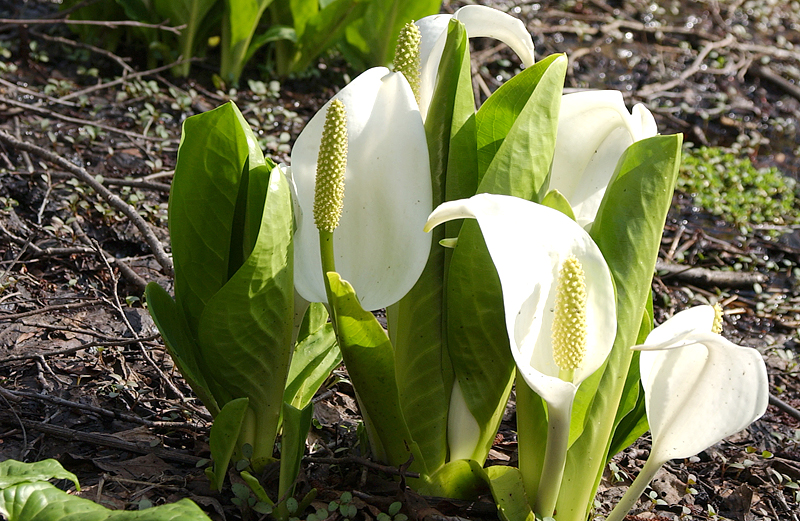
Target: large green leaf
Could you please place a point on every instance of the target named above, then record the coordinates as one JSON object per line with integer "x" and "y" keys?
{"x": 369, "y": 358}
{"x": 476, "y": 323}
{"x": 416, "y": 323}
{"x": 245, "y": 330}
{"x": 41, "y": 501}
{"x": 181, "y": 347}
{"x": 516, "y": 130}
{"x": 628, "y": 231}
{"x": 238, "y": 27}
{"x": 214, "y": 148}
{"x": 374, "y": 35}
{"x": 13, "y": 472}
{"x": 25, "y": 495}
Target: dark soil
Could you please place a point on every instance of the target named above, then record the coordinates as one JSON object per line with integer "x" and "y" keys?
{"x": 84, "y": 377}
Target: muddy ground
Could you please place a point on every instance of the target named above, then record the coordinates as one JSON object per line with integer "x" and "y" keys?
{"x": 84, "y": 376}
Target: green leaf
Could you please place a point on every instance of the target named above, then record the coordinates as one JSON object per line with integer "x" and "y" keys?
{"x": 212, "y": 154}
{"x": 509, "y": 494}
{"x": 42, "y": 501}
{"x": 369, "y": 358}
{"x": 628, "y": 231}
{"x": 183, "y": 350}
{"x": 374, "y": 35}
{"x": 315, "y": 356}
{"x": 239, "y": 24}
{"x": 14, "y": 472}
{"x": 245, "y": 330}
{"x": 224, "y": 435}
{"x": 416, "y": 322}
{"x": 516, "y": 130}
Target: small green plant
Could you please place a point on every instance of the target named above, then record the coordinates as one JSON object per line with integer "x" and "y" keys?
{"x": 730, "y": 186}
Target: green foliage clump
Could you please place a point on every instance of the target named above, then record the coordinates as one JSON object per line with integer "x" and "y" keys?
{"x": 730, "y": 186}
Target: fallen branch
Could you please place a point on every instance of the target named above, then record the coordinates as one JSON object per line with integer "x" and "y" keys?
{"x": 129, "y": 211}
{"x": 110, "y": 24}
{"x": 707, "y": 277}
{"x": 101, "y": 439}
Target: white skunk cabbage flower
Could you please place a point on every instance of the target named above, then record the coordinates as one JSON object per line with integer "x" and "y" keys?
{"x": 529, "y": 244}
{"x": 479, "y": 21}
{"x": 379, "y": 245}
{"x": 699, "y": 387}
{"x": 559, "y": 303}
{"x": 594, "y": 129}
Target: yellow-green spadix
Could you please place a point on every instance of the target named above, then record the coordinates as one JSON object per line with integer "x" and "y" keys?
{"x": 379, "y": 245}
{"x": 529, "y": 244}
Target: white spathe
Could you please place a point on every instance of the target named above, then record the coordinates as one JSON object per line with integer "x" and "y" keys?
{"x": 379, "y": 246}
{"x": 699, "y": 387}
{"x": 594, "y": 129}
{"x": 479, "y": 21}
{"x": 528, "y": 244}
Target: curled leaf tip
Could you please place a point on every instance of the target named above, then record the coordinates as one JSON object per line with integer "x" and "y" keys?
{"x": 407, "y": 56}
{"x": 331, "y": 164}
{"x": 717, "y": 325}
{"x": 569, "y": 320}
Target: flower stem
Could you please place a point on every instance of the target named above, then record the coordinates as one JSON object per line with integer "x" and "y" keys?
{"x": 328, "y": 265}
{"x": 636, "y": 489}
{"x": 555, "y": 459}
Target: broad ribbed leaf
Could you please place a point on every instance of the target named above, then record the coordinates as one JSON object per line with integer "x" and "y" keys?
{"x": 369, "y": 358}
{"x": 245, "y": 330}
{"x": 628, "y": 231}
{"x": 524, "y": 110}
{"x": 13, "y": 472}
{"x": 476, "y": 322}
{"x": 416, "y": 323}
{"x": 212, "y": 154}
{"x": 41, "y": 501}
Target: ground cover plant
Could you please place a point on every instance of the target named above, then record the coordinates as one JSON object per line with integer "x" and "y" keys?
{"x": 686, "y": 244}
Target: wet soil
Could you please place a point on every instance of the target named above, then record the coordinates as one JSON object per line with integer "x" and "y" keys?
{"x": 84, "y": 376}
